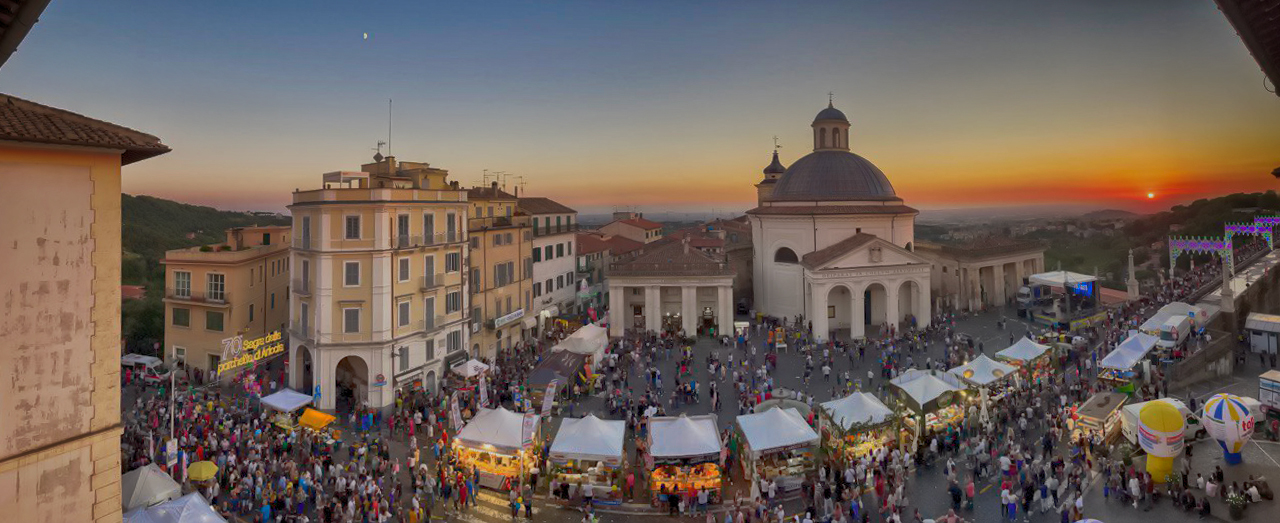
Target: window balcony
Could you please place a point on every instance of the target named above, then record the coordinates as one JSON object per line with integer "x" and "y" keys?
{"x": 216, "y": 299}
{"x": 300, "y": 286}
{"x": 540, "y": 231}
{"x": 431, "y": 281}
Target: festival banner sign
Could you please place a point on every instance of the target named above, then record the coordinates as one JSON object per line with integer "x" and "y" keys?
{"x": 526, "y": 432}
{"x": 484, "y": 392}
{"x": 238, "y": 352}
{"x": 549, "y": 398}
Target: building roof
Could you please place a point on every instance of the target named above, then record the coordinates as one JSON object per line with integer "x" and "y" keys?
{"x": 489, "y": 193}
{"x": 984, "y": 247}
{"x": 132, "y": 292}
{"x": 806, "y": 210}
{"x": 775, "y": 167}
{"x": 27, "y": 121}
{"x": 619, "y": 245}
{"x": 540, "y": 205}
{"x": 831, "y": 113}
{"x": 820, "y": 257}
{"x": 671, "y": 257}
{"x": 833, "y": 175}
{"x": 591, "y": 244}
{"x": 642, "y": 223}
{"x": 16, "y": 19}
{"x": 1258, "y": 24}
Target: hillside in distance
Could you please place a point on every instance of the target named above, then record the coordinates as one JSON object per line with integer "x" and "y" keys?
{"x": 150, "y": 226}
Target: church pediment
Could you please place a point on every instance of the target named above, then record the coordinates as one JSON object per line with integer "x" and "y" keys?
{"x": 860, "y": 251}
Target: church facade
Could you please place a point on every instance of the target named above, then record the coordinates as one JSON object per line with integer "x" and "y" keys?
{"x": 834, "y": 244}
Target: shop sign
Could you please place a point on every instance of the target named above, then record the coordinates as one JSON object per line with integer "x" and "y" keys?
{"x": 238, "y": 352}
{"x": 379, "y": 380}
{"x": 507, "y": 318}
{"x": 945, "y": 399}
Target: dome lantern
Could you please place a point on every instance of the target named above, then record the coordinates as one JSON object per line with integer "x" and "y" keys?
{"x": 830, "y": 130}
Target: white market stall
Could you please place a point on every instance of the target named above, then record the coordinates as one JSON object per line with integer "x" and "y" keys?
{"x": 285, "y": 403}
{"x": 856, "y": 425}
{"x": 1029, "y": 356}
{"x": 147, "y": 486}
{"x": 587, "y": 453}
{"x": 191, "y": 508}
{"x": 590, "y": 340}
{"x": 933, "y": 398}
{"x": 470, "y": 369}
{"x": 989, "y": 376}
{"x": 500, "y": 444}
{"x": 780, "y": 446}
{"x": 684, "y": 453}
{"x": 1117, "y": 367}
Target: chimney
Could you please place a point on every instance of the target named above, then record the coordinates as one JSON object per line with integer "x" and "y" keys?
{"x": 517, "y": 190}
{"x": 686, "y": 244}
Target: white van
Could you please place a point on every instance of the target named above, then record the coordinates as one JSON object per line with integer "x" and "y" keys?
{"x": 147, "y": 368}
{"x": 1129, "y": 421}
{"x": 1174, "y": 332}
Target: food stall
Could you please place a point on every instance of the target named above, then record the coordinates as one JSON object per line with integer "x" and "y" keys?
{"x": 1031, "y": 357}
{"x": 991, "y": 378}
{"x": 855, "y": 426}
{"x": 936, "y": 400}
{"x": 495, "y": 443}
{"x": 587, "y": 453}
{"x": 285, "y": 403}
{"x": 1118, "y": 368}
{"x": 565, "y": 368}
{"x": 684, "y": 454}
{"x": 780, "y": 446}
{"x": 590, "y": 341}
{"x": 1100, "y": 415}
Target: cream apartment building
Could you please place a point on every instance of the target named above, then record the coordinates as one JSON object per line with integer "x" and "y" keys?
{"x": 60, "y": 330}
{"x": 379, "y": 299}
{"x": 554, "y": 263}
{"x": 501, "y": 271}
{"x": 236, "y": 288}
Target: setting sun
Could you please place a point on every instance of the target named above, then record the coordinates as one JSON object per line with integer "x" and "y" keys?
{"x": 1151, "y": 196}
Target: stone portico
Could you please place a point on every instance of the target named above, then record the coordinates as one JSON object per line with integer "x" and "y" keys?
{"x": 670, "y": 287}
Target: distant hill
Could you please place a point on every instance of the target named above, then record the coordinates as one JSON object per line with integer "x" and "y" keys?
{"x": 1110, "y": 214}
{"x": 150, "y": 226}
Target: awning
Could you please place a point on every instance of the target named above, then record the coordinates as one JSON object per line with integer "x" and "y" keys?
{"x": 147, "y": 486}
{"x": 471, "y": 368}
{"x": 983, "y": 371}
{"x": 858, "y": 408}
{"x": 1023, "y": 351}
{"x": 314, "y": 419}
{"x": 530, "y": 322}
{"x": 549, "y": 312}
{"x": 191, "y": 508}
{"x": 287, "y": 400}
{"x": 1262, "y": 322}
{"x": 1061, "y": 277}
{"x": 925, "y": 392}
{"x": 590, "y": 438}
{"x": 1129, "y": 352}
{"x": 776, "y": 429}
{"x": 684, "y": 436}
{"x": 499, "y": 429}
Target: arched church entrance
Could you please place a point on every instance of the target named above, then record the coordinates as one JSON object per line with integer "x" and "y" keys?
{"x": 351, "y": 378}
{"x": 874, "y": 304}
{"x": 839, "y": 309}
{"x": 908, "y": 299}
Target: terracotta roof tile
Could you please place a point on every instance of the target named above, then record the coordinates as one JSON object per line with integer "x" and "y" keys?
{"x": 591, "y": 244}
{"x": 671, "y": 257}
{"x": 26, "y": 121}
{"x": 642, "y": 223}
{"x": 540, "y": 205}
{"x": 619, "y": 245}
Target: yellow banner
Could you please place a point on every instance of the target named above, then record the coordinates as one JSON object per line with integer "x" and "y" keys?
{"x": 238, "y": 352}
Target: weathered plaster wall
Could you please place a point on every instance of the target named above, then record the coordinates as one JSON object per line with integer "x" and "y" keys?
{"x": 59, "y": 334}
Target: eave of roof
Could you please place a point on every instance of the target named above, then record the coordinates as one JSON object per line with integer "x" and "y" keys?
{"x": 1258, "y": 24}
{"x": 30, "y": 122}
{"x": 820, "y": 257}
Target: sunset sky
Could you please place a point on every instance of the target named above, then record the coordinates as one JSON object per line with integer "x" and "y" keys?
{"x": 670, "y": 105}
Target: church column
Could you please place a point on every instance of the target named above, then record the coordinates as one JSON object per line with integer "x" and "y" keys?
{"x": 688, "y": 309}
{"x": 652, "y": 308}
{"x": 618, "y": 317}
{"x": 858, "y": 325}
{"x": 821, "y": 329}
{"x": 724, "y": 309}
{"x": 997, "y": 278}
{"x": 923, "y": 312}
{"x": 891, "y": 304}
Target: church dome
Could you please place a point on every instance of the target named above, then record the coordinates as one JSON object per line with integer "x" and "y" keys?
{"x": 833, "y": 175}
{"x": 831, "y": 113}
{"x": 776, "y": 166}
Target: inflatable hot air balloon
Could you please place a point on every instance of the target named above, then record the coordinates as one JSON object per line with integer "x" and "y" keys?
{"x": 1160, "y": 428}
{"x": 1228, "y": 420}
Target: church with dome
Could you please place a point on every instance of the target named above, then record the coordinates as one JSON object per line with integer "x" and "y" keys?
{"x": 833, "y": 244}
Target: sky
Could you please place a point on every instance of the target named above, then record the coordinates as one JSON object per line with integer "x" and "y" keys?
{"x": 669, "y": 105}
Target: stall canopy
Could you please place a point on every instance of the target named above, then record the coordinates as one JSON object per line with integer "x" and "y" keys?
{"x": 498, "y": 428}
{"x": 471, "y": 368}
{"x": 913, "y": 373}
{"x": 590, "y": 438}
{"x": 857, "y": 409}
{"x": 314, "y": 419}
{"x": 1129, "y": 352}
{"x": 923, "y": 390}
{"x": 983, "y": 371}
{"x": 191, "y": 508}
{"x": 287, "y": 400}
{"x": 1023, "y": 351}
{"x": 1061, "y": 277}
{"x": 147, "y": 486}
{"x": 683, "y": 436}
{"x": 563, "y": 366}
{"x": 776, "y": 429}
{"x": 590, "y": 340}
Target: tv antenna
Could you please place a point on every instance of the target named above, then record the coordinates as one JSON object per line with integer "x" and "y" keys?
{"x": 388, "y": 127}
{"x": 377, "y": 157}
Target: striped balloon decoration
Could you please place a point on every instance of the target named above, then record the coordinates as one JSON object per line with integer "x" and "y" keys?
{"x": 1228, "y": 420}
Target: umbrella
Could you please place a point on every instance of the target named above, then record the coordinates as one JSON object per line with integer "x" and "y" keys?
{"x": 202, "y": 471}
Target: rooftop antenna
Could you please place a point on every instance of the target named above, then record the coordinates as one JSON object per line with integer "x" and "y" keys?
{"x": 388, "y": 127}
{"x": 377, "y": 157}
